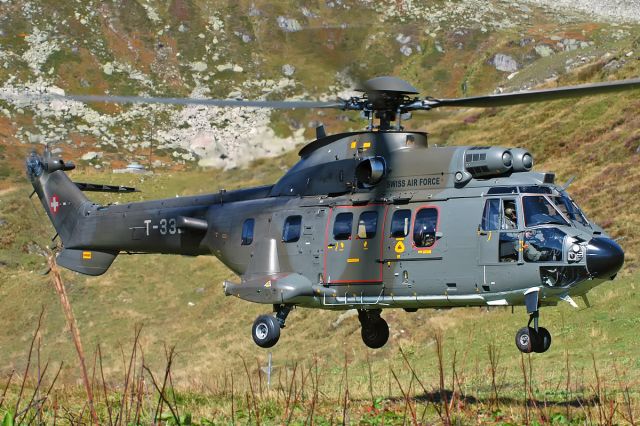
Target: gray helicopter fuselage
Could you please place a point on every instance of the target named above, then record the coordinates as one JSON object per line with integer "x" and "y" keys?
{"x": 368, "y": 220}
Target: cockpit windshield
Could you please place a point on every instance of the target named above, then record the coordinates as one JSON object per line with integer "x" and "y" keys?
{"x": 569, "y": 208}
{"x": 538, "y": 210}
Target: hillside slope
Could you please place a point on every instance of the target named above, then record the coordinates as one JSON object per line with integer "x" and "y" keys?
{"x": 596, "y": 139}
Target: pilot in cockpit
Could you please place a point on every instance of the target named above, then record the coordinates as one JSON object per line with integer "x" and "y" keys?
{"x": 510, "y": 217}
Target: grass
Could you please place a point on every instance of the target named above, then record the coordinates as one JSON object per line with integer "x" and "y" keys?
{"x": 449, "y": 374}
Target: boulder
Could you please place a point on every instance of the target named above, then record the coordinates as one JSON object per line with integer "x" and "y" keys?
{"x": 504, "y": 63}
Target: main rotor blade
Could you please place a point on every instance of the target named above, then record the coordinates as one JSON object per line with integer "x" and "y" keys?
{"x": 206, "y": 102}
{"x": 234, "y": 103}
{"x": 506, "y": 99}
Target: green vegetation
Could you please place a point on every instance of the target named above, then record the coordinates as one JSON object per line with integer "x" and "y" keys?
{"x": 212, "y": 339}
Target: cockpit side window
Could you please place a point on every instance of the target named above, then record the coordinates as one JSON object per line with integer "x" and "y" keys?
{"x": 509, "y": 214}
{"x": 491, "y": 215}
{"x": 539, "y": 211}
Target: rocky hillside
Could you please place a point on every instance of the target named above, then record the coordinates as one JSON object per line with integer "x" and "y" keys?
{"x": 259, "y": 50}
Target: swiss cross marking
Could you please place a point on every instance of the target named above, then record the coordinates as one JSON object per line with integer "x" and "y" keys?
{"x": 55, "y": 204}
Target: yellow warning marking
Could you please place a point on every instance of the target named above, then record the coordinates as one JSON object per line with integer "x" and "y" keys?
{"x": 353, "y": 260}
{"x": 365, "y": 245}
{"x": 489, "y": 237}
{"x": 354, "y": 144}
{"x": 86, "y": 255}
{"x": 366, "y": 145}
{"x": 267, "y": 284}
{"x": 424, "y": 251}
{"x": 399, "y": 248}
{"x": 341, "y": 246}
{"x": 397, "y": 256}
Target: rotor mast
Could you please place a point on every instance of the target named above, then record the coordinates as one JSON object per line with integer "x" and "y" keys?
{"x": 384, "y": 98}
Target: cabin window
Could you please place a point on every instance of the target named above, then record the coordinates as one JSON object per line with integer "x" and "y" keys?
{"x": 367, "y": 225}
{"x": 400, "y": 223}
{"x": 342, "y": 226}
{"x": 291, "y": 229}
{"x": 424, "y": 227}
{"x": 247, "y": 232}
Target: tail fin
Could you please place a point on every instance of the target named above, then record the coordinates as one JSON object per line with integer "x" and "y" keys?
{"x": 64, "y": 203}
{"x": 60, "y": 197}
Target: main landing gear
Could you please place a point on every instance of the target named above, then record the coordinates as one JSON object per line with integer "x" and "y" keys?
{"x": 266, "y": 328}
{"x": 375, "y": 330}
{"x": 533, "y": 339}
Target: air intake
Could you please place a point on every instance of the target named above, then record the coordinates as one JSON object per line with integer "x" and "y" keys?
{"x": 484, "y": 161}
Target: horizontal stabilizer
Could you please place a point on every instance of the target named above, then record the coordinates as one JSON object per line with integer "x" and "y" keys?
{"x": 98, "y": 187}
{"x": 88, "y": 262}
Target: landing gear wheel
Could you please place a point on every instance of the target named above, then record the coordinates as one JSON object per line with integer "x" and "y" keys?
{"x": 266, "y": 331}
{"x": 526, "y": 339}
{"x": 542, "y": 342}
{"x": 375, "y": 333}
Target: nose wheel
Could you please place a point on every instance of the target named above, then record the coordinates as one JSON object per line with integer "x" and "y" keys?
{"x": 529, "y": 340}
{"x": 375, "y": 330}
{"x": 533, "y": 339}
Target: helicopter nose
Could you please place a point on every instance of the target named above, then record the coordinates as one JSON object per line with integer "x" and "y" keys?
{"x": 604, "y": 257}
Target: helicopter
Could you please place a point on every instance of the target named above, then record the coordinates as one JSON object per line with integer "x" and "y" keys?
{"x": 368, "y": 220}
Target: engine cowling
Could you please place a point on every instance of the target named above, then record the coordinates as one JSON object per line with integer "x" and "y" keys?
{"x": 370, "y": 171}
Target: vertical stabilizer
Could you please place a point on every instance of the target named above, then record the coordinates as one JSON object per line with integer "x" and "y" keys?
{"x": 60, "y": 197}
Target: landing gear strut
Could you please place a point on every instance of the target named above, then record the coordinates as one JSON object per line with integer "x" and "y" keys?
{"x": 533, "y": 339}
{"x": 375, "y": 330}
{"x": 266, "y": 328}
